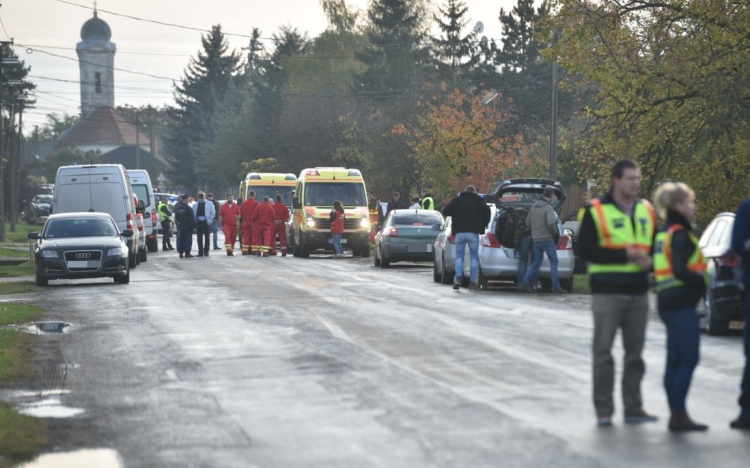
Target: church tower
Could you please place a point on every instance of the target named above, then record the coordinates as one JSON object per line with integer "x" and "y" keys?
{"x": 96, "y": 55}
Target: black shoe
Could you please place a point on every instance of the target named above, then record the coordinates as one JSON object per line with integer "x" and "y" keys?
{"x": 230, "y": 254}
{"x": 681, "y": 422}
{"x": 189, "y": 255}
{"x": 524, "y": 289}
{"x": 473, "y": 287}
{"x": 171, "y": 248}
{"x": 456, "y": 285}
{"x": 181, "y": 256}
{"x": 217, "y": 248}
{"x": 743, "y": 422}
{"x": 200, "y": 254}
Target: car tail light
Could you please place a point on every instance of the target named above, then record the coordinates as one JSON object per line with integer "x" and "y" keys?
{"x": 129, "y": 219}
{"x": 393, "y": 232}
{"x": 490, "y": 240}
{"x": 452, "y": 239}
{"x": 153, "y": 218}
{"x": 565, "y": 243}
{"x": 730, "y": 260}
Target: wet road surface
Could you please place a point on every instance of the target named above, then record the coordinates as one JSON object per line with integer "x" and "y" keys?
{"x": 284, "y": 362}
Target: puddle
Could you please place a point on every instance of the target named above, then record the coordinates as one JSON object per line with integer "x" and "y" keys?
{"x": 96, "y": 458}
{"x": 42, "y": 393}
{"x": 43, "y": 328}
{"x": 50, "y": 408}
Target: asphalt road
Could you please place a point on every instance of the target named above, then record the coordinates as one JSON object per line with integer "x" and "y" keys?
{"x": 284, "y": 362}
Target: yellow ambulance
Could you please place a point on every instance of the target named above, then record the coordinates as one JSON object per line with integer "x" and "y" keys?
{"x": 317, "y": 189}
{"x": 268, "y": 185}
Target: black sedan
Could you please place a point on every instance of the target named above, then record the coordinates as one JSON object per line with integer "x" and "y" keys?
{"x": 81, "y": 245}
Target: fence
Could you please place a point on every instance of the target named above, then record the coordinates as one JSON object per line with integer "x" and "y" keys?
{"x": 577, "y": 197}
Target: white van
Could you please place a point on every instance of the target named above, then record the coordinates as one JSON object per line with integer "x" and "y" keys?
{"x": 101, "y": 188}
{"x": 141, "y": 184}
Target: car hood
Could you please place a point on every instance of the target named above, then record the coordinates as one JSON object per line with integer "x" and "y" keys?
{"x": 78, "y": 242}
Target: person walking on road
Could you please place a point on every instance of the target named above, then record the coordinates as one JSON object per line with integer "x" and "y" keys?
{"x": 396, "y": 203}
{"x": 337, "y": 217}
{"x": 185, "y": 219}
{"x": 215, "y": 222}
{"x": 470, "y": 215}
{"x": 263, "y": 222}
{"x": 428, "y": 203}
{"x": 680, "y": 273}
{"x": 247, "y": 209}
{"x": 616, "y": 236}
{"x": 204, "y": 215}
{"x": 165, "y": 219}
{"x": 229, "y": 214}
{"x": 542, "y": 222}
{"x": 281, "y": 216}
{"x": 741, "y": 245}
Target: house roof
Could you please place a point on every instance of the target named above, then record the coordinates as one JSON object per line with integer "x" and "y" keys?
{"x": 104, "y": 126}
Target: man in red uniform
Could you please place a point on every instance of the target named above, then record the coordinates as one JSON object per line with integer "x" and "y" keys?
{"x": 281, "y": 216}
{"x": 247, "y": 210}
{"x": 228, "y": 215}
{"x": 263, "y": 220}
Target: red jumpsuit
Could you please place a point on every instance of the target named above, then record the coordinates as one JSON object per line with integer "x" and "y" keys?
{"x": 281, "y": 216}
{"x": 247, "y": 210}
{"x": 263, "y": 222}
{"x": 229, "y": 214}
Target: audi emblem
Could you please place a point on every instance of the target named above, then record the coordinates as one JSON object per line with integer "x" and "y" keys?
{"x": 82, "y": 256}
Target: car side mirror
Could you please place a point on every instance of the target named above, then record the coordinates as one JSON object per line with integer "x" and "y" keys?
{"x": 127, "y": 233}
{"x": 33, "y": 235}
{"x": 296, "y": 204}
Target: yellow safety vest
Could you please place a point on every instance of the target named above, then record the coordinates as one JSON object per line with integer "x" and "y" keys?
{"x": 162, "y": 216}
{"x": 663, "y": 266}
{"x": 428, "y": 203}
{"x": 616, "y": 231}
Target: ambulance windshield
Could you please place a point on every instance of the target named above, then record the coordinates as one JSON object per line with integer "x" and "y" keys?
{"x": 325, "y": 193}
{"x": 271, "y": 191}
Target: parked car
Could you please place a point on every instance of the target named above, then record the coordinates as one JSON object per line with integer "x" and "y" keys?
{"x": 498, "y": 254}
{"x": 723, "y": 303}
{"x": 98, "y": 188}
{"x": 38, "y": 209}
{"x": 444, "y": 257}
{"x": 407, "y": 235}
{"x": 81, "y": 245}
{"x": 141, "y": 184}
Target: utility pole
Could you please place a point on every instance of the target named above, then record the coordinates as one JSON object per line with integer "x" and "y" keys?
{"x": 553, "y": 127}
{"x": 15, "y": 167}
{"x": 12, "y": 164}
{"x": 3, "y": 61}
{"x": 137, "y": 143}
{"x": 152, "y": 145}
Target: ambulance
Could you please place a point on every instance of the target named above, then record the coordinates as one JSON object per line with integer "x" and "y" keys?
{"x": 268, "y": 185}
{"x": 317, "y": 189}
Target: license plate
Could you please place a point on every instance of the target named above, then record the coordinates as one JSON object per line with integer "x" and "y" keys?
{"x": 343, "y": 241}
{"x": 83, "y": 264}
{"x": 429, "y": 248}
{"x": 419, "y": 248}
{"x": 738, "y": 325}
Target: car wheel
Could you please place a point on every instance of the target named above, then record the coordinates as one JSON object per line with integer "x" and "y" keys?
{"x": 445, "y": 277}
{"x": 377, "y": 258}
{"x": 567, "y": 284}
{"x": 710, "y": 323}
{"x": 365, "y": 251}
{"x": 436, "y": 275}
{"x": 153, "y": 245}
{"x": 545, "y": 283}
{"x": 143, "y": 255}
{"x": 40, "y": 279}
{"x": 304, "y": 251}
{"x": 482, "y": 281}
{"x": 384, "y": 262}
{"x": 132, "y": 260}
{"x": 123, "y": 279}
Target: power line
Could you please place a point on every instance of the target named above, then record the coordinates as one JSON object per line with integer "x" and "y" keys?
{"x": 119, "y": 51}
{"x": 3, "y": 25}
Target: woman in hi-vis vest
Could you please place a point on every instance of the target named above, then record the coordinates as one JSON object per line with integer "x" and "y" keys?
{"x": 679, "y": 269}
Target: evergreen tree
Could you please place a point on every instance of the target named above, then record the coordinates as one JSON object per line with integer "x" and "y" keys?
{"x": 520, "y": 50}
{"x": 456, "y": 55}
{"x": 395, "y": 55}
{"x": 197, "y": 96}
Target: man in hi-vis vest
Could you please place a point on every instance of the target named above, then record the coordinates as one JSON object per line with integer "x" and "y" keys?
{"x": 616, "y": 236}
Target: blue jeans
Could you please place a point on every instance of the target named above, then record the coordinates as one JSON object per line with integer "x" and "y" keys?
{"x": 215, "y": 230}
{"x": 525, "y": 249}
{"x": 185, "y": 239}
{"x": 683, "y": 353}
{"x": 472, "y": 240}
{"x": 337, "y": 249}
{"x": 745, "y": 397}
{"x": 540, "y": 248}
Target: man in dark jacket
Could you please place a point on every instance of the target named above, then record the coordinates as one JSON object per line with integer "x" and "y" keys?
{"x": 396, "y": 203}
{"x": 185, "y": 221}
{"x": 741, "y": 245}
{"x": 470, "y": 215}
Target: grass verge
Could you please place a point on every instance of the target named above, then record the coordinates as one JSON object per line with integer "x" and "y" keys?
{"x": 581, "y": 284}
{"x": 22, "y": 229}
{"x": 18, "y": 287}
{"x": 6, "y": 252}
{"x": 24, "y": 269}
{"x": 20, "y": 436}
{"x": 18, "y": 313}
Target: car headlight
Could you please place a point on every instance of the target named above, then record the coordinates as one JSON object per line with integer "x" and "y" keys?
{"x": 310, "y": 221}
{"x": 50, "y": 254}
{"x": 365, "y": 223}
{"x": 117, "y": 251}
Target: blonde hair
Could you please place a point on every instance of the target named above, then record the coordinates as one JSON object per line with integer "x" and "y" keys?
{"x": 668, "y": 195}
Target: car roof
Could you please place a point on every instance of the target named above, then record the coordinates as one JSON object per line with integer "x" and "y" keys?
{"x": 82, "y": 214}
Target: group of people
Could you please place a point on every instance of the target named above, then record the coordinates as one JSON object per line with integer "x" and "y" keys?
{"x": 425, "y": 202}
{"x": 620, "y": 241}
{"x": 258, "y": 224}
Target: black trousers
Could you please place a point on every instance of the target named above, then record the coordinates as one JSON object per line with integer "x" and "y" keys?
{"x": 166, "y": 228}
{"x": 203, "y": 231}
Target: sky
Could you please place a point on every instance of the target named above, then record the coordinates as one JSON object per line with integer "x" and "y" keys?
{"x": 54, "y": 26}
